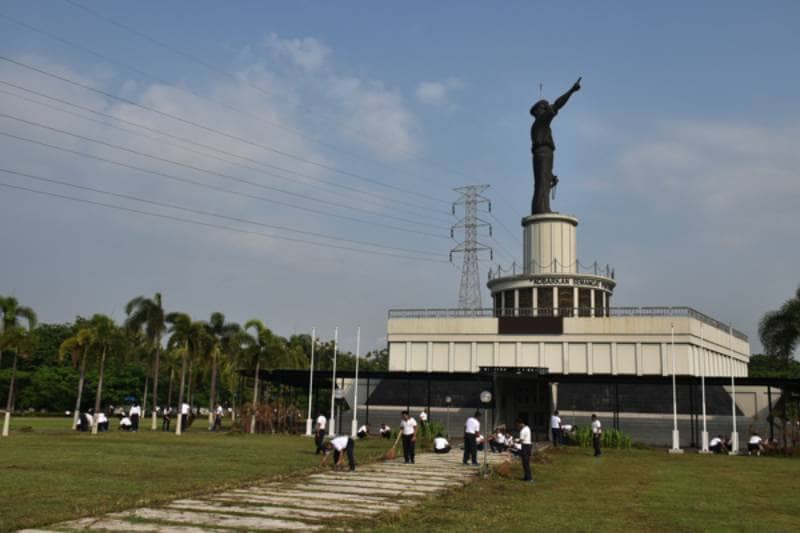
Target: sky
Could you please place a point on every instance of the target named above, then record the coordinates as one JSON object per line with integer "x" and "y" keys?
{"x": 295, "y": 161}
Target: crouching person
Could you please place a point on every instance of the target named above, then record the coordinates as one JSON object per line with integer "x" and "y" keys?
{"x": 440, "y": 444}
{"x": 340, "y": 446}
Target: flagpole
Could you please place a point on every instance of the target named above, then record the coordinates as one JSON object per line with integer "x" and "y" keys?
{"x": 311, "y": 381}
{"x": 354, "y": 429}
{"x": 703, "y": 356}
{"x": 332, "y": 422}
{"x": 676, "y": 438}
{"x": 734, "y": 434}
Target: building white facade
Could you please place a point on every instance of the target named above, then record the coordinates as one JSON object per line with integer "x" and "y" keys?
{"x": 552, "y": 315}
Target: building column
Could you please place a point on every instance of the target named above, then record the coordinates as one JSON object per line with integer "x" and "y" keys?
{"x": 451, "y": 356}
{"x": 535, "y": 301}
{"x": 591, "y": 302}
{"x": 589, "y": 359}
{"x": 555, "y": 302}
{"x": 614, "y": 359}
{"x": 605, "y": 303}
{"x": 575, "y": 301}
{"x": 429, "y": 358}
{"x": 502, "y": 303}
{"x": 473, "y": 356}
{"x": 565, "y": 357}
{"x": 638, "y": 358}
{"x": 516, "y": 302}
{"x": 408, "y": 356}
{"x": 664, "y": 361}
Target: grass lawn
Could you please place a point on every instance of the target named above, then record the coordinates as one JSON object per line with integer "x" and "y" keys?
{"x": 52, "y": 474}
{"x": 642, "y": 490}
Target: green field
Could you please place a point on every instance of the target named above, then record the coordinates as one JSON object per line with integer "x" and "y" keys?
{"x": 641, "y": 490}
{"x": 52, "y": 474}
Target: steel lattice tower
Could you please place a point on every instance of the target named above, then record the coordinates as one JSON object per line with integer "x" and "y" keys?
{"x": 469, "y": 292}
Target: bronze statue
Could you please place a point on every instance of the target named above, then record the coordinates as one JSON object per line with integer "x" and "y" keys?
{"x": 542, "y": 146}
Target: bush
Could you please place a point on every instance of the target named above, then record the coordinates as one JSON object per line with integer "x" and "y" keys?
{"x": 611, "y": 438}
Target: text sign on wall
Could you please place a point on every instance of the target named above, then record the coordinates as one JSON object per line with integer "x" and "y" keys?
{"x": 537, "y": 370}
{"x": 530, "y": 325}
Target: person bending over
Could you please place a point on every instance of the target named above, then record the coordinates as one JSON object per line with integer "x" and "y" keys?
{"x": 440, "y": 444}
{"x": 340, "y": 446}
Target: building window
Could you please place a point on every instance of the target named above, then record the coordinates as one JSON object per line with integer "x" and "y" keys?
{"x": 565, "y": 303}
{"x": 509, "y": 310}
{"x": 584, "y": 302}
{"x": 545, "y": 301}
{"x": 525, "y": 302}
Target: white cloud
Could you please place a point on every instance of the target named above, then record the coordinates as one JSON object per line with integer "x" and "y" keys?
{"x": 437, "y": 92}
{"x": 740, "y": 179}
{"x": 307, "y": 52}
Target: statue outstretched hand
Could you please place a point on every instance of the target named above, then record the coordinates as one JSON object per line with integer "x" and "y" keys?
{"x": 577, "y": 86}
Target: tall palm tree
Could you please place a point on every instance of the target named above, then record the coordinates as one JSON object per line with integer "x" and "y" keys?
{"x": 148, "y": 315}
{"x": 780, "y": 330}
{"x": 16, "y": 339}
{"x": 194, "y": 338}
{"x": 107, "y": 339}
{"x": 77, "y": 347}
{"x": 223, "y": 335}
{"x": 264, "y": 350}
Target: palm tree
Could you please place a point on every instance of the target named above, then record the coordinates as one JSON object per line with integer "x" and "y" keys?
{"x": 148, "y": 315}
{"x": 16, "y": 339}
{"x": 106, "y": 338}
{"x": 77, "y": 347}
{"x": 224, "y": 335}
{"x": 780, "y": 329}
{"x": 264, "y": 350}
{"x": 193, "y": 338}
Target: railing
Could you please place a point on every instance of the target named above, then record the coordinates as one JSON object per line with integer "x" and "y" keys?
{"x": 568, "y": 312}
{"x": 554, "y": 267}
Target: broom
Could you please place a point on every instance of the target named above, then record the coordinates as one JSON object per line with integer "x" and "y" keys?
{"x": 392, "y": 453}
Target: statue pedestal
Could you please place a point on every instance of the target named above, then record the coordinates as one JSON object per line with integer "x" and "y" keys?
{"x": 548, "y": 245}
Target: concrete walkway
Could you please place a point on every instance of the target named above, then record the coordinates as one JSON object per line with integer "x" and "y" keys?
{"x": 315, "y": 502}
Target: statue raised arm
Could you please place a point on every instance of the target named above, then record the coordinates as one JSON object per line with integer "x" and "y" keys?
{"x": 542, "y": 147}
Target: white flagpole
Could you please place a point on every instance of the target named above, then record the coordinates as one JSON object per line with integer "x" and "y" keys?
{"x": 734, "y": 434}
{"x": 332, "y": 421}
{"x": 354, "y": 429}
{"x": 703, "y": 356}
{"x": 676, "y": 438}
{"x": 311, "y": 381}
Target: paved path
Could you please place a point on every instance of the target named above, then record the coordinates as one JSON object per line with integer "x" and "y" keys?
{"x": 309, "y": 504}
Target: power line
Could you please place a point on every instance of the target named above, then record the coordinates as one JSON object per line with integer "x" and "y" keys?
{"x": 219, "y": 132}
{"x": 215, "y": 188}
{"x": 232, "y": 76}
{"x": 188, "y": 141}
{"x": 156, "y": 203}
{"x": 225, "y": 105}
{"x": 207, "y": 224}
{"x": 211, "y": 172}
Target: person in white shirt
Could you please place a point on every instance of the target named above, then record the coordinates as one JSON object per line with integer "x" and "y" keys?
{"x": 218, "y": 413}
{"x": 386, "y": 431}
{"x": 166, "y": 417}
{"x": 497, "y": 440}
{"x": 440, "y": 444}
{"x": 472, "y": 430}
{"x": 597, "y": 435}
{"x": 319, "y": 432}
{"x": 755, "y": 444}
{"x": 125, "y": 423}
{"x": 717, "y": 445}
{"x": 423, "y": 417}
{"x": 102, "y": 421}
{"x": 186, "y": 410}
{"x": 363, "y": 432}
{"x": 555, "y": 428}
{"x": 408, "y": 427}
{"x": 135, "y": 413}
{"x": 339, "y": 446}
{"x": 526, "y": 447}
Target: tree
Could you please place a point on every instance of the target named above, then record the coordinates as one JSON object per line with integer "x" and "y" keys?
{"x": 780, "y": 330}
{"x": 148, "y": 315}
{"x": 224, "y": 336}
{"x": 106, "y": 338}
{"x": 16, "y": 339}
{"x": 77, "y": 347}
{"x": 194, "y": 338}
{"x": 263, "y": 350}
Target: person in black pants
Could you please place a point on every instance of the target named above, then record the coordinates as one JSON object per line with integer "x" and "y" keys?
{"x": 527, "y": 448}
{"x": 319, "y": 433}
{"x": 408, "y": 427}
{"x": 472, "y": 428}
{"x": 597, "y": 435}
{"x": 340, "y": 446}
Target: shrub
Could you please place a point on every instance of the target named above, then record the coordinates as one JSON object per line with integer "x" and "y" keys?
{"x": 612, "y": 438}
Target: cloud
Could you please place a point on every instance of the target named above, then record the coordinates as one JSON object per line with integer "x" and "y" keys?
{"x": 437, "y": 93}
{"x": 307, "y": 52}
{"x": 739, "y": 179}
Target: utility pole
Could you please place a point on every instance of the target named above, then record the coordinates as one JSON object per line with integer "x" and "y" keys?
{"x": 469, "y": 292}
